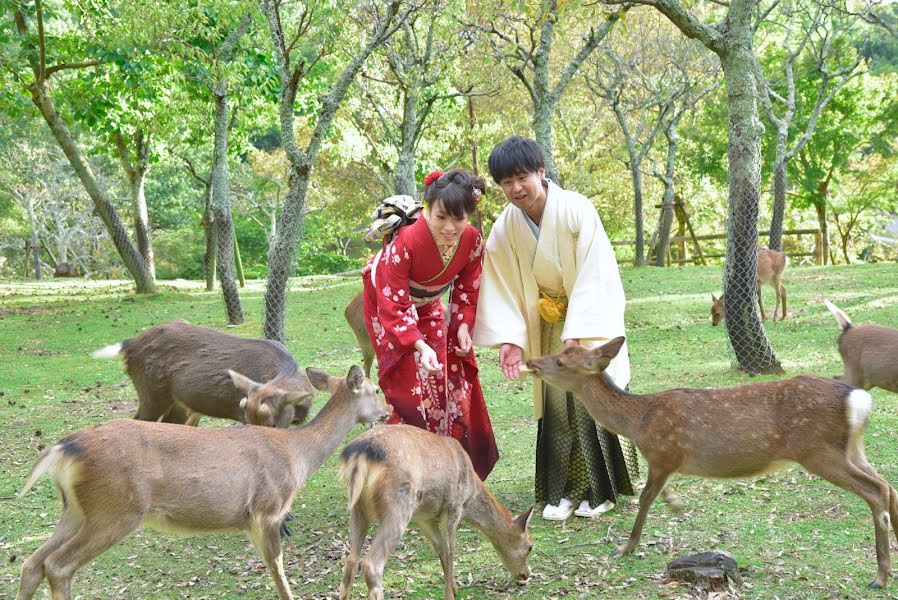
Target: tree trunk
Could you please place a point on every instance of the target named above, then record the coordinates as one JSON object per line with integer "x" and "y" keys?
{"x": 144, "y": 281}
{"x": 221, "y": 207}
{"x": 405, "y": 167}
{"x": 636, "y": 175}
{"x": 136, "y": 173}
{"x": 780, "y": 183}
{"x": 542, "y": 130}
{"x": 35, "y": 238}
{"x": 283, "y": 248}
{"x": 667, "y": 203}
{"x": 752, "y": 349}
{"x": 210, "y": 254}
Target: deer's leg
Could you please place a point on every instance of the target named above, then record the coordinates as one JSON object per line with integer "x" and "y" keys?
{"x": 33, "y": 568}
{"x": 761, "y": 304}
{"x": 151, "y": 406}
{"x": 782, "y": 293}
{"x": 358, "y": 529}
{"x": 392, "y": 526}
{"x": 266, "y": 537}
{"x": 93, "y": 538}
{"x": 434, "y": 534}
{"x": 654, "y": 484}
{"x": 450, "y": 525}
{"x": 177, "y": 413}
{"x": 835, "y": 467}
{"x": 193, "y": 418}
{"x": 671, "y": 501}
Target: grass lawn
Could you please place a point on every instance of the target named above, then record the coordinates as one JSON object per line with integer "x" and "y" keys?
{"x": 793, "y": 535}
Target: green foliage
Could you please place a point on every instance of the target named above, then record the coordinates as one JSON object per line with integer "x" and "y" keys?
{"x": 179, "y": 253}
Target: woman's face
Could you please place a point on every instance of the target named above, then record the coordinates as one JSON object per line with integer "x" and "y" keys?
{"x": 446, "y": 228}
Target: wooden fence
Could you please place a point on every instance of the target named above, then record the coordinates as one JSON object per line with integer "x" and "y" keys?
{"x": 679, "y": 249}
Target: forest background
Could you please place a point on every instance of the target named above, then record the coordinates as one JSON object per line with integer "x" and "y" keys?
{"x": 141, "y": 89}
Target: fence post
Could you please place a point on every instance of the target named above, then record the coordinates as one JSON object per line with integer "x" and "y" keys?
{"x": 818, "y": 248}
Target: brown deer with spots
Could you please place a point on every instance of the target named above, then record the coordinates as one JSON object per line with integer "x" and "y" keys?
{"x": 740, "y": 431}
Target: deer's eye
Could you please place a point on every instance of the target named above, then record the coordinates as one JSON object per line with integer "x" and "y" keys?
{"x": 558, "y": 362}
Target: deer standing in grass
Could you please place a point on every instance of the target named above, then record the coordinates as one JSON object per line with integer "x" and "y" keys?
{"x": 178, "y": 368}
{"x": 400, "y": 473}
{"x": 869, "y": 353}
{"x": 355, "y": 316}
{"x": 740, "y": 431}
{"x": 771, "y": 265}
{"x": 116, "y": 476}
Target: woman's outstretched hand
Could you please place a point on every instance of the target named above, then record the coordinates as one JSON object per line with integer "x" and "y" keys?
{"x": 510, "y": 359}
{"x": 429, "y": 358}
{"x": 464, "y": 340}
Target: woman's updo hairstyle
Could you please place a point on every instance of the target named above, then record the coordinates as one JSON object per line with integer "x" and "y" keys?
{"x": 457, "y": 191}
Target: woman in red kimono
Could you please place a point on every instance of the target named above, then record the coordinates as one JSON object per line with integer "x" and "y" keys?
{"x": 428, "y": 373}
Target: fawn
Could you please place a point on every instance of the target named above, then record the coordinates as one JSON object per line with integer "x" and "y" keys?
{"x": 869, "y": 353}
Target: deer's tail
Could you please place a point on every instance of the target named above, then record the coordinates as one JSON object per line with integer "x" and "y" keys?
{"x": 841, "y": 317}
{"x": 48, "y": 461}
{"x": 110, "y": 351}
{"x": 361, "y": 464}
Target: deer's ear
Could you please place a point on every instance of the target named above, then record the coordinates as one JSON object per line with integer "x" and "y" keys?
{"x": 320, "y": 379}
{"x": 355, "y": 378}
{"x": 522, "y": 521}
{"x": 713, "y": 298}
{"x": 613, "y": 347}
{"x": 243, "y": 383}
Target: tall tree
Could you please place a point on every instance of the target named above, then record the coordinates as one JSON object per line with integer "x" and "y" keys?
{"x": 524, "y": 45}
{"x": 416, "y": 74}
{"x": 806, "y": 25}
{"x": 35, "y": 49}
{"x": 732, "y": 39}
{"x": 292, "y": 70}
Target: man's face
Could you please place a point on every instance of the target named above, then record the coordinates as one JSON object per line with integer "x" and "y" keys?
{"x": 526, "y": 191}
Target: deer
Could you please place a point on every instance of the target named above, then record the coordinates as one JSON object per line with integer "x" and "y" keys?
{"x": 771, "y": 265}
{"x": 355, "y": 316}
{"x": 869, "y": 353}
{"x": 118, "y": 475}
{"x": 400, "y": 473}
{"x": 733, "y": 432}
{"x": 178, "y": 368}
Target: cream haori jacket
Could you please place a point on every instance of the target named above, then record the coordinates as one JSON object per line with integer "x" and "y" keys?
{"x": 573, "y": 249}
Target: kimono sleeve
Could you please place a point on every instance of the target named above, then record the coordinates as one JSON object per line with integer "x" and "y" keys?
{"x": 394, "y": 304}
{"x": 500, "y": 313}
{"x": 466, "y": 290}
{"x": 596, "y": 303}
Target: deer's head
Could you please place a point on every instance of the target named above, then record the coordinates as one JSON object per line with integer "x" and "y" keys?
{"x": 515, "y": 550}
{"x": 269, "y": 405}
{"x": 363, "y": 395}
{"x": 716, "y": 310}
{"x": 566, "y": 369}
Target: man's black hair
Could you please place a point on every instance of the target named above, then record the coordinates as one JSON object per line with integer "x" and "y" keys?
{"x": 514, "y": 156}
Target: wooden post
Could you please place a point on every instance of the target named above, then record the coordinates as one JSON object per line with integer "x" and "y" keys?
{"x": 818, "y": 248}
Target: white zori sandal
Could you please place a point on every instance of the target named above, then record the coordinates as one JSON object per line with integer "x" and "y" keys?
{"x": 584, "y": 510}
{"x": 559, "y": 512}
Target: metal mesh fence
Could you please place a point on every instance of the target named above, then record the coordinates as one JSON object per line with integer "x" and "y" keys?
{"x": 750, "y": 350}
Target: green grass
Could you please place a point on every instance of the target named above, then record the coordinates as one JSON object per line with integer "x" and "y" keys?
{"x": 794, "y": 535}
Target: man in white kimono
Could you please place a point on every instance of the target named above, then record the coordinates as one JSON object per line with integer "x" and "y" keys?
{"x": 548, "y": 254}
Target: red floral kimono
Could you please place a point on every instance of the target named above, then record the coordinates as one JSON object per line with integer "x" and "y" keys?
{"x": 403, "y": 284}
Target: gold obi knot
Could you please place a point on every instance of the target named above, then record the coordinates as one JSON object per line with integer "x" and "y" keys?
{"x": 551, "y": 309}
